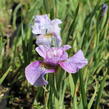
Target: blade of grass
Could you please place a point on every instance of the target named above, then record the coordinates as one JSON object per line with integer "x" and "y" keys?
{"x": 83, "y": 93}
{"x": 5, "y": 75}
{"x": 99, "y": 95}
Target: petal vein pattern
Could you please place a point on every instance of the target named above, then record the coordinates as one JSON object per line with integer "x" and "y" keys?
{"x": 74, "y": 63}
{"x": 35, "y": 72}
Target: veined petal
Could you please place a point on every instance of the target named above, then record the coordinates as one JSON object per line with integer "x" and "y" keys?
{"x": 56, "y": 21}
{"x": 41, "y": 19}
{"x": 35, "y": 72}
{"x": 42, "y": 50}
{"x": 37, "y": 29}
{"x": 64, "y": 56}
{"x": 32, "y": 73}
{"x": 54, "y": 28}
{"x": 41, "y": 24}
{"x": 41, "y": 81}
{"x": 74, "y": 63}
{"x": 66, "y": 47}
{"x": 55, "y": 54}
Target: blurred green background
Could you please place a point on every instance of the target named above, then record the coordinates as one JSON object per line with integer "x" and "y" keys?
{"x": 84, "y": 27}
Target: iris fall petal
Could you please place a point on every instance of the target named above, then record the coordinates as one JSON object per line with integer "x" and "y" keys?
{"x": 74, "y": 63}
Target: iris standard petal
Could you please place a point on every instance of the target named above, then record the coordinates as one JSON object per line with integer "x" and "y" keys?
{"x": 66, "y": 47}
{"x": 38, "y": 29}
{"x": 42, "y": 50}
{"x": 41, "y": 24}
{"x": 42, "y": 19}
{"x": 74, "y": 63}
{"x": 56, "y": 21}
{"x": 54, "y": 28}
{"x": 55, "y": 54}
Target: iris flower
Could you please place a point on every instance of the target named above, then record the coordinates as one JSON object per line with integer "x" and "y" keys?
{"x": 104, "y": 9}
{"x": 46, "y": 31}
{"x": 53, "y": 57}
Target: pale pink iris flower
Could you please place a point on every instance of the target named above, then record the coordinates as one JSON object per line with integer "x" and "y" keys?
{"x": 47, "y": 31}
{"x": 53, "y": 57}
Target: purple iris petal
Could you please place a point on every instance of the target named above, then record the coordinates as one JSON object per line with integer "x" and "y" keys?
{"x": 54, "y": 54}
{"x": 41, "y": 24}
{"x": 40, "y": 81}
{"x": 74, "y": 63}
{"x": 35, "y": 72}
{"x": 42, "y": 50}
{"x": 57, "y": 54}
{"x": 41, "y": 18}
{"x": 54, "y": 26}
{"x": 66, "y": 47}
{"x": 56, "y": 21}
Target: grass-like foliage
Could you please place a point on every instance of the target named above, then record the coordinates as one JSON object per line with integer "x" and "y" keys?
{"x": 85, "y": 26}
